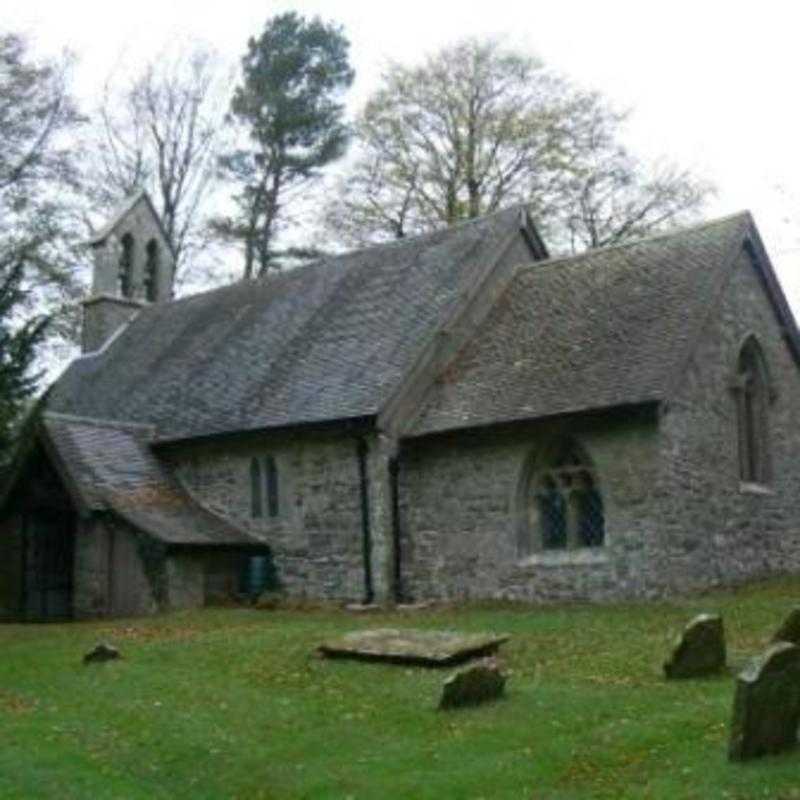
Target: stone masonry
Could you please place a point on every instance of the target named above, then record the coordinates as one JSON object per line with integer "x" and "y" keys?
{"x": 316, "y": 538}
{"x": 677, "y": 516}
{"x": 672, "y": 523}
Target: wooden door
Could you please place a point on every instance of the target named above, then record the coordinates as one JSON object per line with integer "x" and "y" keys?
{"x": 49, "y": 561}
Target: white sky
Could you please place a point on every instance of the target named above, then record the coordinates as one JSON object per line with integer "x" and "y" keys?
{"x": 713, "y": 85}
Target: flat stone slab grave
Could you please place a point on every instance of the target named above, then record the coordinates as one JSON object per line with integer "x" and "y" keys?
{"x": 413, "y": 646}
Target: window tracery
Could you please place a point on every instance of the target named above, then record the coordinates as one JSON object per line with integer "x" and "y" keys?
{"x": 565, "y": 506}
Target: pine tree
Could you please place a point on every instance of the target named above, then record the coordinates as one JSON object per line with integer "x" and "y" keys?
{"x": 289, "y": 107}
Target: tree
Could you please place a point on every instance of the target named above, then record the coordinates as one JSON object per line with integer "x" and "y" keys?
{"x": 18, "y": 347}
{"x": 41, "y": 232}
{"x": 161, "y": 131}
{"x": 478, "y": 127}
{"x": 289, "y": 110}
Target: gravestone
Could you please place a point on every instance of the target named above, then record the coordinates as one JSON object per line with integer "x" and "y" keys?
{"x": 473, "y": 684}
{"x": 428, "y": 648}
{"x": 789, "y": 630}
{"x": 101, "y": 652}
{"x": 700, "y": 650}
{"x": 766, "y": 706}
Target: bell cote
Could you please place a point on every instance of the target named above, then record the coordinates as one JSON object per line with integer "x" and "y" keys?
{"x": 133, "y": 267}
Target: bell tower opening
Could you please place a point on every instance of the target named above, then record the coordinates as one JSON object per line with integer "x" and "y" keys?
{"x": 133, "y": 267}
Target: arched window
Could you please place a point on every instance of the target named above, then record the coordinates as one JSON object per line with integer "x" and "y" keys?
{"x": 271, "y": 471}
{"x": 151, "y": 271}
{"x": 562, "y": 504}
{"x": 126, "y": 265}
{"x": 256, "y": 495}
{"x": 752, "y": 407}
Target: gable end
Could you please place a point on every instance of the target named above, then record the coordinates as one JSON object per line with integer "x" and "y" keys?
{"x": 757, "y": 254}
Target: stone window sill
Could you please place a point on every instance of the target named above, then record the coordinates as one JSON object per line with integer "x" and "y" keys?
{"x": 558, "y": 558}
{"x": 755, "y": 488}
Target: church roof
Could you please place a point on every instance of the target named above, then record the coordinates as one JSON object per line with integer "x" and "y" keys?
{"x": 110, "y": 467}
{"x": 607, "y": 328}
{"x": 336, "y": 340}
{"x": 328, "y": 341}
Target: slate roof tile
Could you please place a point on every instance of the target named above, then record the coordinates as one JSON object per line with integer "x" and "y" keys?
{"x": 605, "y": 328}
{"x": 326, "y": 341}
{"x": 111, "y": 467}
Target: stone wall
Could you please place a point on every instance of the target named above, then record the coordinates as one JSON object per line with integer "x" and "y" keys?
{"x": 463, "y": 500}
{"x": 102, "y": 317}
{"x": 716, "y": 530}
{"x": 316, "y": 538}
{"x": 140, "y": 223}
{"x": 185, "y": 579}
{"x": 106, "y": 311}
{"x": 677, "y": 516}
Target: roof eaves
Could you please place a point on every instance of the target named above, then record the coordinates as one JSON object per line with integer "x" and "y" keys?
{"x": 650, "y": 401}
{"x": 241, "y": 537}
{"x": 349, "y": 424}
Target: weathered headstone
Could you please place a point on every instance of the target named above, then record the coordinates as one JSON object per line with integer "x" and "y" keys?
{"x": 101, "y": 652}
{"x": 789, "y": 630}
{"x": 766, "y": 706}
{"x": 429, "y": 648}
{"x": 700, "y": 650}
{"x": 473, "y": 684}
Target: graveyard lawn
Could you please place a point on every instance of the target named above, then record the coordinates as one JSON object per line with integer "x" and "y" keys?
{"x": 233, "y": 703}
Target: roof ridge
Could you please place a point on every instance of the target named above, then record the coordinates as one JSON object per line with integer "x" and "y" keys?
{"x": 447, "y": 229}
{"x": 237, "y": 284}
{"x": 119, "y": 212}
{"x": 329, "y": 258}
{"x": 592, "y": 251}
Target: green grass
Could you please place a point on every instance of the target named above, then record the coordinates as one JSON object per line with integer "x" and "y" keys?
{"x": 231, "y": 703}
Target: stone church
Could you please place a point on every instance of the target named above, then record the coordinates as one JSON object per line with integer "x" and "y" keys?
{"x": 451, "y": 416}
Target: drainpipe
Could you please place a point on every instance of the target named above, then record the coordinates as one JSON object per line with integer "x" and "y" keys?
{"x": 397, "y": 550}
{"x": 366, "y": 532}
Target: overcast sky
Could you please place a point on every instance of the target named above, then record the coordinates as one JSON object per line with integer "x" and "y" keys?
{"x": 713, "y": 85}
